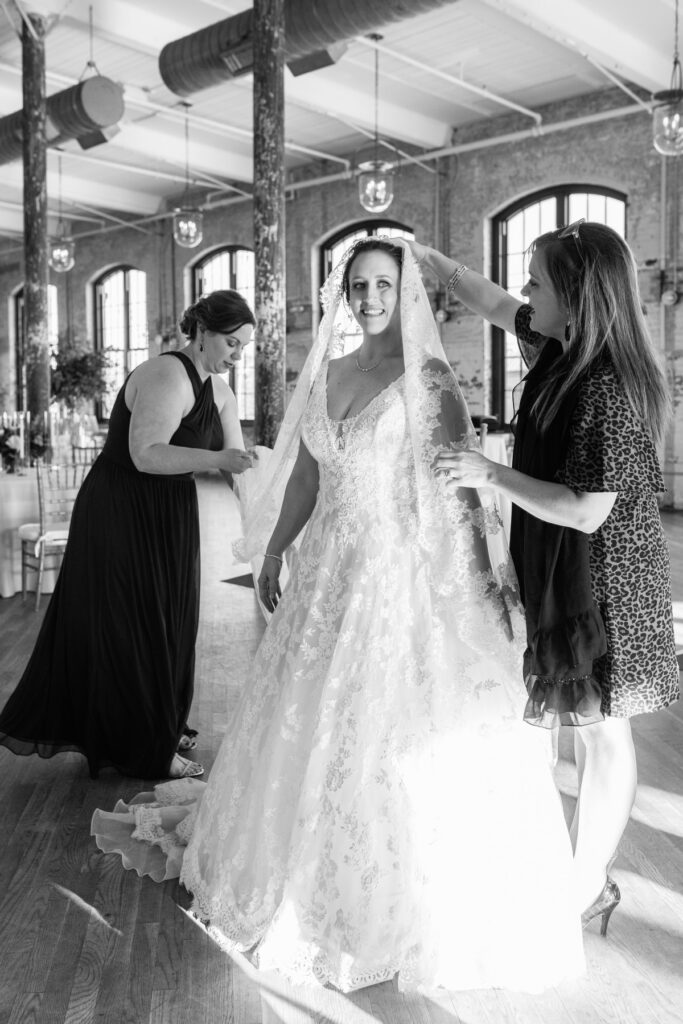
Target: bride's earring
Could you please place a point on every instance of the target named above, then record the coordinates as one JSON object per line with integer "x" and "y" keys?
{"x": 201, "y": 343}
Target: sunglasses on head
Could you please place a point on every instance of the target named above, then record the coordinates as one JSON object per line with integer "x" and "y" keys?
{"x": 572, "y": 231}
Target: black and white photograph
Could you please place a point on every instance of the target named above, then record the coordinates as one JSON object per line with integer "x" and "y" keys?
{"x": 341, "y": 512}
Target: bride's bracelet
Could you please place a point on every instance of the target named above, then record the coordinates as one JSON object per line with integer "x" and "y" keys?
{"x": 455, "y": 276}
{"x": 268, "y": 555}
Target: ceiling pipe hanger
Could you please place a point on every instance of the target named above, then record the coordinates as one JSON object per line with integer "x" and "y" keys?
{"x": 617, "y": 81}
{"x": 453, "y": 79}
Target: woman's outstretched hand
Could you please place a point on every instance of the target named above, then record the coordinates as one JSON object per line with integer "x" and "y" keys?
{"x": 269, "y": 582}
{"x": 234, "y": 460}
{"x": 418, "y": 250}
{"x": 467, "y": 468}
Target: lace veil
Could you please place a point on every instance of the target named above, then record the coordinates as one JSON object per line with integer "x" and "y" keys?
{"x": 460, "y": 532}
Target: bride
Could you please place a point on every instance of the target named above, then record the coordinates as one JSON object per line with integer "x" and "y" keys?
{"x": 378, "y": 807}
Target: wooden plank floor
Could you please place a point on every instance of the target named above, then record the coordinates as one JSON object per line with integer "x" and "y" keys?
{"x": 82, "y": 940}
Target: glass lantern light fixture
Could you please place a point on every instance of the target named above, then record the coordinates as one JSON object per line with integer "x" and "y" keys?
{"x": 376, "y": 178}
{"x": 188, "y": 220}
{"x": 61, "y": 247}
{"x": 667, "y": 114}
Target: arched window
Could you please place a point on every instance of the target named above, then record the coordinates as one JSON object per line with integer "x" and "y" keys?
{"x": 120, "y": 326}
{"x": 232, "y": 267}
{"x": 335, "y": 246}
{"x": 513, "y": 231}
{"x": 20, "y": 338}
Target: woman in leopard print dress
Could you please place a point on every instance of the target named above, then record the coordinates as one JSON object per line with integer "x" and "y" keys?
{"x": 586, "y": 534}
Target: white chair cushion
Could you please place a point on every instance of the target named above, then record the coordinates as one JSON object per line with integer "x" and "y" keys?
{"x": 29, "y": 531}
{"x": 57, "y": 534}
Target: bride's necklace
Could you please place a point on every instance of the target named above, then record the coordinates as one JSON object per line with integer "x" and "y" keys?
{"x": 366, "y": 369}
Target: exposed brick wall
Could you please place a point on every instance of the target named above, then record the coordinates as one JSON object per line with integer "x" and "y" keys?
{"x": 472, "y": 186}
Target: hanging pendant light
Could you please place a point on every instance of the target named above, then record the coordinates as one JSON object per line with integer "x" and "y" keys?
{"x": 61, "y": 250}
{"x": 667, "y": 125}
{"x": 188, "y": 220}
{"x": 376, "y": 178}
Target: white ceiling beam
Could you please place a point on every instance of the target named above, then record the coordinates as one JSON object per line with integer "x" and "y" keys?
{"x": 615, "y": 42}
{"x": 112, "y": 16}
{"x": 328, "y": 97}
{"x": 206, "y": 158}
{"x": 77, "y": 187}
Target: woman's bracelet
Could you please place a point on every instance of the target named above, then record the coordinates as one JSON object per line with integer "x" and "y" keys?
{"x": 268, "y": 555}
{"x": 455, "y": 276}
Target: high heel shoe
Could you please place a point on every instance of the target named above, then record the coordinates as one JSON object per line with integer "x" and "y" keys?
{"x": 604, "y": 905}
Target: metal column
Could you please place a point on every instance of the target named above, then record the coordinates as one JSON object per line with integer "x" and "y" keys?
{"x": 269, "y": 218}
{"x": 36, "y": 348}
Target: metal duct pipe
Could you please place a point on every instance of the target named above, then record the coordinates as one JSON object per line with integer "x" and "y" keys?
{"x": 86, "y": 112}
{"x": 315, "y": 35}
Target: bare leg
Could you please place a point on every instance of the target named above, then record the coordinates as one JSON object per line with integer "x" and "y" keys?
{"x": 607, "y": 793}
{"x": 580, "y": 759}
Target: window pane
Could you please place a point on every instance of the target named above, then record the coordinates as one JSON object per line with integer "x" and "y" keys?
{"x": 548, "y": 216}
{"x": 137, "y": 312}
{"x": 517, "y": 232}
{"x": 615, "y": 215}
{"x": 215, "y": 273}
{"x": 233, "y": 268}
{"x": 245, "y": 371}
{"x": 121, "y": 297}
{"x": 577, "y": 206}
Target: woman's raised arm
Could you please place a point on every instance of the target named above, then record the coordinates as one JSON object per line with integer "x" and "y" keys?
{"x": 475, "y": 291}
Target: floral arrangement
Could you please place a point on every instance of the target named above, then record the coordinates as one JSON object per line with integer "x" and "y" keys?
{"x": 10, "y": 448}
{"x": 11, "y": 445}
{"x": 78, "y": 374}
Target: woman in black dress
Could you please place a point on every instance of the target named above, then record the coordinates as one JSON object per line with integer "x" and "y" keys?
{"x": 586, "y": 540}
{"x": 111, "y": 675}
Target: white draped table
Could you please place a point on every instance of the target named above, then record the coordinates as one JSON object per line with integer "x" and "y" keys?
{"x": 18, "y": 504}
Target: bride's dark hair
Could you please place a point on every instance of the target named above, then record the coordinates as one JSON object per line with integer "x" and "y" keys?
{"x": 367, "y": 245}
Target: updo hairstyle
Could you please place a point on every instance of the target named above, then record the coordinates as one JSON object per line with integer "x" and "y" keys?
{"x": 221, "y": 312}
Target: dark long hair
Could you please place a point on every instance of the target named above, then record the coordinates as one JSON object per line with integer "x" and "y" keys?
{"x": 594, "y": 274}
{"x": 372, "y": 242}
{"x": 222, "y": 311}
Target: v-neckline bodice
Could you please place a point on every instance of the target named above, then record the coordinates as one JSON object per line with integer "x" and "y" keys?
{"x": 355, "y": 415}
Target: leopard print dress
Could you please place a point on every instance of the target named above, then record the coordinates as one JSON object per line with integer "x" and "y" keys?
{"x": 610, "y": 450}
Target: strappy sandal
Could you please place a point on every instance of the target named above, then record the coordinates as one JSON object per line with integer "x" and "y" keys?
{"x": 188, "y": 739}
{"x": 181, "y": 768}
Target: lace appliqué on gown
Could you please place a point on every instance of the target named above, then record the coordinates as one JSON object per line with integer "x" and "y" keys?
{"x": 329, "y": 839}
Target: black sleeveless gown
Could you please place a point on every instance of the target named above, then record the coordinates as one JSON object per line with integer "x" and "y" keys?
{"x": 112, "y": 671}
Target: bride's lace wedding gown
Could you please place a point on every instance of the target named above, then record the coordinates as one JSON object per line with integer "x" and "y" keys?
{"x": 377, "y": 806}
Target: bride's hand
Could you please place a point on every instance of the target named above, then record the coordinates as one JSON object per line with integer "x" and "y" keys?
{"x": 269, "y": 582}
{"x": 467, "y": 468}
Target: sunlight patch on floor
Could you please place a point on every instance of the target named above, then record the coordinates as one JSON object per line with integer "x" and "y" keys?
{"x": 655, "y": 807}
{"x": 653, "y": 903}
{"x": 82, "y": 905}
{"x": 660, "y": 809}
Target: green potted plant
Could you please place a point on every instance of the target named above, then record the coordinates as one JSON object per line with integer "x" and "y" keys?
{"x": 78, "y": 375}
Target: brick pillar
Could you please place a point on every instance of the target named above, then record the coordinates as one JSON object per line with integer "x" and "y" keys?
{"x": 36, "y": 349}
